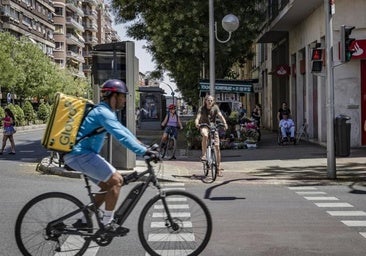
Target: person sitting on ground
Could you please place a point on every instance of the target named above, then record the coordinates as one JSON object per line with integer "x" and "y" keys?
{"x": 287, "y": 126}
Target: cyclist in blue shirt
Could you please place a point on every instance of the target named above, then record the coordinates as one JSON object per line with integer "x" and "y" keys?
{"x": 85, "y": 154}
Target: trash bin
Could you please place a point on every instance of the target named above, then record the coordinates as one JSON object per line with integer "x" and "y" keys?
{"x": 342, "y": 135}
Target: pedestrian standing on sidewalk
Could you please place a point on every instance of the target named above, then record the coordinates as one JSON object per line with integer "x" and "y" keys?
{"x": 256, "y": 115}
{"x": 284, "y": 108}
{"x": 9, "y": 130}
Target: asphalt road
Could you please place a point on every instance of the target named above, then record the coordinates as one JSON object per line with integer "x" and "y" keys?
{"x": 258, "y": 219}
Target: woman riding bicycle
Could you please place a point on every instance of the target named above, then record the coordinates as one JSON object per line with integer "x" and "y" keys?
{"x": 171, "y": 122}
{"x": 207, "y": 114}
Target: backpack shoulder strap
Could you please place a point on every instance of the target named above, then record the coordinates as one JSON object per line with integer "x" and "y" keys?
{"x": 95, "y": 132}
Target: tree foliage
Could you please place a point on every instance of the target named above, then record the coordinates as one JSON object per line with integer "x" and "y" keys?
{"x": 177, "y": 35}
{"x": 28, "y": 73}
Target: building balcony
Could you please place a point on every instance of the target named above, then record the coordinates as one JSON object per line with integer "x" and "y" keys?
{"x": 73, "y": 40}
{"x": 91, "y": 40}
{"x": 91, "y": 2}
{"x": 70, "y": 22}
{"x": 91, "y": 27}
{"x": 283, "y": 15}
{"x": 75, "y": 56}
{"x": 91, "y": 14}
{"x": 73, "y": 6}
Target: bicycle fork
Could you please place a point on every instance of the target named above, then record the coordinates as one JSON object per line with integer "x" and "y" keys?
{"x": 169, "y": 222}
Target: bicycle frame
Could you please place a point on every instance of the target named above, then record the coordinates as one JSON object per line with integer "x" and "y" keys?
{"x": 125, "y": 208}
{"x": 172, "y": 220}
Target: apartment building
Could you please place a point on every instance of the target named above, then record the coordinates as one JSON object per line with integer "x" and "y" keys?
{"x": 284, "y": 65}
{"x": 66, "y": 30}
{"x": 33, "y": 19}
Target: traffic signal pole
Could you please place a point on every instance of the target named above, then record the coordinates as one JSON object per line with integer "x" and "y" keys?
{"x": 331, "y": 162}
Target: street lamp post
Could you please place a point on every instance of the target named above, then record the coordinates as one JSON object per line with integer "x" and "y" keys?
{"x": 230, "y": 23}
{"x": 170, "y": 89}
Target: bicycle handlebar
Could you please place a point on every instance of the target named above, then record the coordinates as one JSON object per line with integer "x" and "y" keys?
{"x": 209, "y": 126}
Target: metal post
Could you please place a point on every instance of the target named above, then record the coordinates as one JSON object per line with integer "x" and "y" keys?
{"x": 212, "y": 47}
{"x": 331, "y": 163}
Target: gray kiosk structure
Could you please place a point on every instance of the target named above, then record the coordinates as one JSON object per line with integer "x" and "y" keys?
{"x": 118, "y": 61}
{"x": 152, "y": 107}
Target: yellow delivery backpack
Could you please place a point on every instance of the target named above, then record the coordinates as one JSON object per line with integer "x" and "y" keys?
{"x": 67, "y": 115}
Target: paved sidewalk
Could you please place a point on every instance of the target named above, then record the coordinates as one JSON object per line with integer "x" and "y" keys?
{"x": 269, "y": 163}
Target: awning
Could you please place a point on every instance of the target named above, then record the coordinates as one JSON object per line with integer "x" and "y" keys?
{"x": 233, "y": 86}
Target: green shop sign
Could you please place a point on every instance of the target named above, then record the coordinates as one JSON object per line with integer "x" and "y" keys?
{"x": 233, "y": 86}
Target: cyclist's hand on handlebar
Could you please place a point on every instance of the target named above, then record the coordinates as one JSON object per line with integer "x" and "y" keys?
{"x": 153, "y": 154}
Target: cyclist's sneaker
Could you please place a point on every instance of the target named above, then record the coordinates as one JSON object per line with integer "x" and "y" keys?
{"x": 284, "y": 139}
{"x": 203, "y": 158}
{"x": 80, "y": 225}
{"x": 114, "y": 229}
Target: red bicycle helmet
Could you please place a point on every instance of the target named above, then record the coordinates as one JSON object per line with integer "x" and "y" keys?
{"x": 171, "y": 106}
{"x": 113, "y": 85}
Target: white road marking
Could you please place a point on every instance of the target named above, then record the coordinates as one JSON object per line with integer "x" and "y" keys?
{"x": 302, "y": 188}
{"x": 346, "y": 213}
{"x": 333, "y": 205}
{"x": 302, "y": 193}
{"x": 354, "y": 223}
{"x": 321, "y": 198}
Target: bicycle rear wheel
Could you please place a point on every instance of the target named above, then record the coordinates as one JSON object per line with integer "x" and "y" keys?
{"x": 189, "y": 233}
{"x": 170, "y": 148}
{"x": 34, "y": 234}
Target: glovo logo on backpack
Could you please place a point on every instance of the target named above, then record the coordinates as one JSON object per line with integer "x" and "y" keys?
{"x": 66, "y": 117}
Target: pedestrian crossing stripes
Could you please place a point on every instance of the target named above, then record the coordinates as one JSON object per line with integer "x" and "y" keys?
{"x": 180, "y": 209}
{"x": 346, "y": 213}
{"x": 320, "y": 199}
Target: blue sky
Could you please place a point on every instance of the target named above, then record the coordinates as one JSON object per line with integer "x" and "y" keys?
{"x": 145, "y": 60}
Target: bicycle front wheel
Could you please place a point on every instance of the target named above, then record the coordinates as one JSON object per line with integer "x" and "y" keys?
{"x": 34, "y": 234}
{"x": 213, "y": 166}
{"x": 162, "y": 150}
{"x": 170, "y": 148}
{"x": 187, "y": 234}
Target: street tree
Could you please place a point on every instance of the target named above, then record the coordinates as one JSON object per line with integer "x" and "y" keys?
{"x": 28, "y": 73}
{"x": 178, "y": 39}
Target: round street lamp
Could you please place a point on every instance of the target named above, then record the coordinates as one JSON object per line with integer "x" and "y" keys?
{"x": 230, "y": 23}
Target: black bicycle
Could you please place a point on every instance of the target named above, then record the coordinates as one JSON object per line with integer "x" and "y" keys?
{"x": 167, "y": 148}
{"x": 173, "y": 222}
{"x": 210, "y": 164}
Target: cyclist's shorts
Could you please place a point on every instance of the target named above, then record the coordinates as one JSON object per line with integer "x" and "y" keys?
{"x": 172, "y": 129}
{"x": 205, "y": 131}
{"x": 91, "y": 164}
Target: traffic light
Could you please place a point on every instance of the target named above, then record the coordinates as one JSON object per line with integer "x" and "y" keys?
{"x": 317, "y": 60}
{"x": 346, "y": 42}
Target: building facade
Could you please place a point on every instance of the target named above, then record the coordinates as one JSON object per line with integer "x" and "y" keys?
{"x": 66, "y": 30}
{"x": 293, "y": 28}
